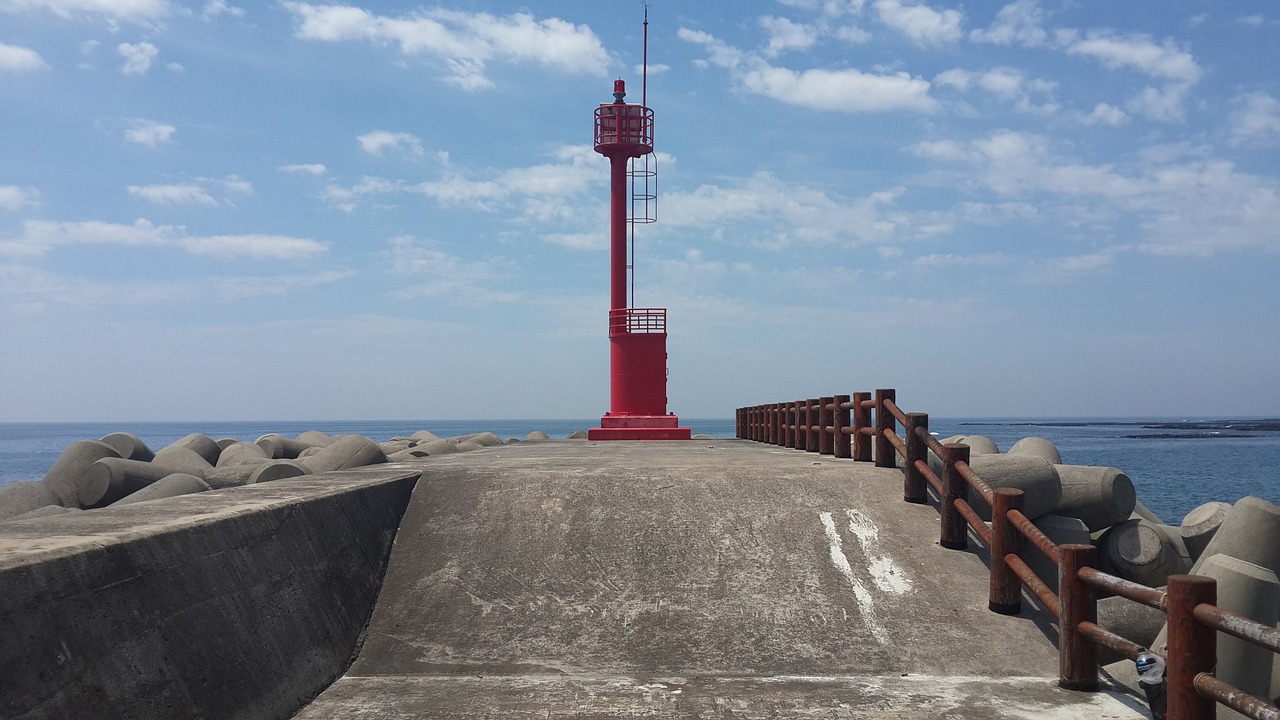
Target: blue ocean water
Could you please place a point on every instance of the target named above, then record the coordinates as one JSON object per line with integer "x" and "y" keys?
{"x": 1174, "y": 470}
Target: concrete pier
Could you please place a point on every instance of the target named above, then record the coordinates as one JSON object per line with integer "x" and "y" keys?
{"x": 238, "y": 603}
{"x": 688, "y": 579}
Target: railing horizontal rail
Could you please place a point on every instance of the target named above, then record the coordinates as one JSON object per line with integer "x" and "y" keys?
{"x": 1104, "y": 637}
{"x": 898, "y": 443}
{"x": 975, "y": 482}
{"x": 1235, "y": 698}
{"x": 1047, "y": 597}
{"x": 975, "y": 523}
{"x": 934, "y": 481}
{"x": 1035, "y": 535}
{"x": 895, "y": 411}
{"x": 1239, "y": 626}
{"x": 1128, "y": 589}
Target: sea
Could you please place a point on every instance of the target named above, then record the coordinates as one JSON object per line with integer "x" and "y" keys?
{"x": 1176, "y": 464}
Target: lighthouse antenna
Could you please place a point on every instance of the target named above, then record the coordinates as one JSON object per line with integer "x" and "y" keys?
{"x": 644, "y": 71}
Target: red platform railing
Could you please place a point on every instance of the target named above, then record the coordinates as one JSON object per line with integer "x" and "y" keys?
{"x": 633, "y": 321}
{"x": 624, "y": 124}
{"x": 863, "y": 427}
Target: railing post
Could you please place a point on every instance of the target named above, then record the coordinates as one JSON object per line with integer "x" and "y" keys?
{"x": 913, "y": 485}
{"x": 843, "y": 441}
{"x": 886, "y": 456}
{"x": 797, "y": 442}
{"x": 824, "y": 422}
{"x": 775, "y": 424}
{"x": 802, "y": 425}
{"x": 1077, "y": 656}
{"x": 790, "y": 411}
{"x": 1192, "y": 647}
{"x": 955, "y": 531}
{"x": 1005, "y": 591}
{"x": 780, "y": 423}
{"x": 811, "y": 423}
{"x": 861, "y": 419}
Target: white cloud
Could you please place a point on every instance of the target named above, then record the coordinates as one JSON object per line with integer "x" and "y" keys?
{"x": 1005, "y": 82}
{"x": 579, "y": 170}
{"x": 192, "y": 193}
{"x": 1166, "y": 104}
{"x": 766, "y": 212}
{"x": 139, "y": 11}
{"x": 721, "y": 54}
{"x": 466, "y": 42}
{"x": 436, "y": 273}
{"x": 785, "y": 35}
{"x": 379, "y": 141}
{"x": 575, "y": 173}
{"x": 305, "y": 169}
{"x": 137, "y": 58}
{"x": 16, "y": 198}
{"x": 40, "y": 236}
{"x": 185, "y": 194}
{"x": 281, "y": 247}
{"x": 218, "y": 8}
{"x": 1255, "y": 120}
{"x": 1060, "y": 268}
{"x": 1184, "y": 203}
{"x": 958, "y": 78}
{"x": 846, "y": 90}
{"x": 1139, "y": 52}
{"x": 850, "y": 34}
{"x": 842, "y": 90}
{"x": 37, "y": 289}
{"x": 19, "y": 59}
{"x": 455, "y": 190}
{"x": 920, "y": 23}
{"x": 1104, "y": 114}
{"x": 149, "y": 133}
{"x": 1018, "y": 23}
{"x": 593, "y": 241}
{"x": 345, "y": 199}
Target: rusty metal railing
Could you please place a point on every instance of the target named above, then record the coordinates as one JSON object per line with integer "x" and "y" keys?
{"x": 631, "y": 321}
{"x": 863, "y": 427}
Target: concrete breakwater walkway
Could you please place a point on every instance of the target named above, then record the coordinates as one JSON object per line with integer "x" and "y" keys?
{"x": 703, "y": 579}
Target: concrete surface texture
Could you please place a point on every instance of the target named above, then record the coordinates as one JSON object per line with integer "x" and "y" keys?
{"x": 239, "y": 603}
{"x": 694, "y": 579}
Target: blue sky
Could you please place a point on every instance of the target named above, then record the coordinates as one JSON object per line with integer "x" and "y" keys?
{"x": 222, "y": 210}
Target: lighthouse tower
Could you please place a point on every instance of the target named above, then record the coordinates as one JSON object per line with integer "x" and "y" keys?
{"x": 637, "y": 336}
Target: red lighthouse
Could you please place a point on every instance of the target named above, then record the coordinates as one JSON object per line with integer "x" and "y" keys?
{"x": 637, "y": 336}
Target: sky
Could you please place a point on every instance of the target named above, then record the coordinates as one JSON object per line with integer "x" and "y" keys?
{"x": 227, "y": 210}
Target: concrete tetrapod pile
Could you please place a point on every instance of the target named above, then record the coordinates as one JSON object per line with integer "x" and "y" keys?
{"x": 1237, "y": 544}
{"x": 121, "y": 469}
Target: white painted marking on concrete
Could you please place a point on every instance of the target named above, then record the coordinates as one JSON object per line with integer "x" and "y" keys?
{"x": 887, "y": 575}
{"x": 860, "y": 592}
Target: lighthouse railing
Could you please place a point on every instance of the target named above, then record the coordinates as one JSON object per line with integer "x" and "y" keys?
{"x": 629, "y": 321}
{"x": 623, "y": 124}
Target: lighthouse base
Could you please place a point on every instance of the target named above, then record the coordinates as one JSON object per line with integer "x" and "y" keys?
{"x": 639, "y": 427}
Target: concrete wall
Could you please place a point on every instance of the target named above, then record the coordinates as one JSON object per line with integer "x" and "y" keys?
{"x": 239, "y": 603}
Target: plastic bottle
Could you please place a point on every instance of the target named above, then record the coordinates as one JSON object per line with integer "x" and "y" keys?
{"x": 1151, "y": 678}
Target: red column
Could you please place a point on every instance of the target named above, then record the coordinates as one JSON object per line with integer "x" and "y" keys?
{"x": 617, "y": 232}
